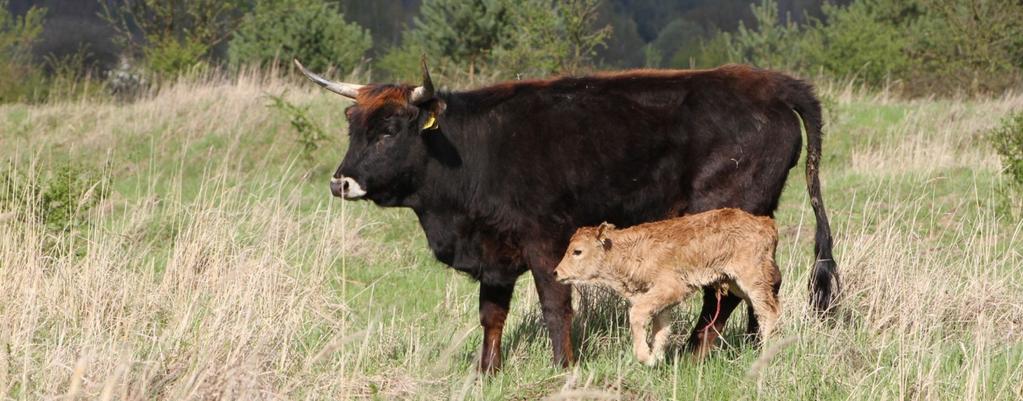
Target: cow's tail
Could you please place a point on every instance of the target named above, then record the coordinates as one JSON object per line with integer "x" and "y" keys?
{"x": 824, "y": 283}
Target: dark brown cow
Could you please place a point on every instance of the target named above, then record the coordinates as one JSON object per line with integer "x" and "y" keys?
{"x": 500, "y": 177}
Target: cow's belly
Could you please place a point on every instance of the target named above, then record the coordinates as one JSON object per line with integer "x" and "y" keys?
{"x": 473, "y": 248}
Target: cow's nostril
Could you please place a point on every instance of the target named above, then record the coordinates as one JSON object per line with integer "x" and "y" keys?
{"x": 344, "y": 185}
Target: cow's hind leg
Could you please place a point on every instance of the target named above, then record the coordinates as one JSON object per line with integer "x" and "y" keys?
{"x": 494, "y": 303}
{"x": 712, "y": 320}
{"x": 556, "y": 304}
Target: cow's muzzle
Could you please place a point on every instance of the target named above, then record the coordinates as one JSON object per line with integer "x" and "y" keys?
{"x": 346, "y": 187}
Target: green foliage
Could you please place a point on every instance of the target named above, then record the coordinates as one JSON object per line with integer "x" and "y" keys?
{"x": 463, "y": 31}
{"x": 974, "y": 45}
{"x": 61, "y": 199}
{"x": 401, "y": 63}
{"x": 19, "y": 79}
{"x": 930, "y": 46}
{"x": 71, "y": 76}
{"x": 676, "y": 43}
{"x": 508, "y": 39}
{"x": 172, "y": 36}
{"x": 17, "y": 34}
{"x": 310, "y": 135}
{"x": 69, "y": 194}
{"x": 313, "y": 31}
{"x": 769, "y": 44}
{"x": 856, "y": 42}
{"x": 578, "y": 20}
{"x": 1007, "y": 139}
{"x": 168, "y": 57}
{"x": 558, "y": 37}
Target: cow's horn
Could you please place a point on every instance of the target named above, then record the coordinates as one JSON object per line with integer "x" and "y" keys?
{"x": 341, "y": 88}
{"x": 422, "y": 94}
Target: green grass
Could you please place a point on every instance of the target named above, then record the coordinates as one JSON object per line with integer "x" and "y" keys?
{"x": 220, "y": 267}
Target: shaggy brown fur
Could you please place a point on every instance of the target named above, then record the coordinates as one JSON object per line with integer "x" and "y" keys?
{"x": 657, "y": 265}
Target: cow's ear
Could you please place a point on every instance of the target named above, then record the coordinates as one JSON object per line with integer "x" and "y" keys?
{"x": 429, "y": 113}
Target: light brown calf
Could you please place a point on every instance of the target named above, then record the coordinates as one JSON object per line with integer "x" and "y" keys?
{"x": 657, "y": 265}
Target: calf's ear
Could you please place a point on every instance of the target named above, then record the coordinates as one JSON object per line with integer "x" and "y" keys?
{"x": 602, "y": 231}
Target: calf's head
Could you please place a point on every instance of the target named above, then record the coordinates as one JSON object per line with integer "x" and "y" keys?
{"x": 386, "y": 153}
{"x": 587, "y": 254}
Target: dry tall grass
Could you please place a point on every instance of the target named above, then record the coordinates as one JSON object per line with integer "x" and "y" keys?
{"x": 219, "y": 269}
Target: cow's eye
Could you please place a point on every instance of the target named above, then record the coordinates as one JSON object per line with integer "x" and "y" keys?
{"x": 577, "y": 252}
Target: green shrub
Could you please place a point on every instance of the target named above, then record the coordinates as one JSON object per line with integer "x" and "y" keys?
{"x": 463, "y": 31}
{"x": 499, "y": 39}
{"x": 857, "y": 43}
{"x": 71, "y": 76}
{"x": 974, "y": 47}
{"x": 769, "y": 43}
{"x": 60, "y": 199}
{"x": 548, "y": 38}
{"x": 310, "y": 135}
{"x": 171, "y": 36}
{"x": 313, "y": 31}
{"x": 401, "y": 63}
{"x": 69, "y": 194}
{"x": 169, "y": 57}
{"x": 1007, "y": 139}
{"x": 20, "y": 80}
{"x": 676, "y": 44}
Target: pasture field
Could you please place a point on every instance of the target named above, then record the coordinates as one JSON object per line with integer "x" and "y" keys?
{"x": 186, "y": 247}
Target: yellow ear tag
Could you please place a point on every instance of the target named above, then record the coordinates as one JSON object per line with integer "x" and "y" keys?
{"x": 431, "y": 122}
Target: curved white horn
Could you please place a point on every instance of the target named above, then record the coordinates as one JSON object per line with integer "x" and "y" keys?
{"x": 425, "y": 92}
{"x": 341, "y": 88}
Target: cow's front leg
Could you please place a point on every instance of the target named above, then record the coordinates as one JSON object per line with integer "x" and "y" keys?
{"x": 556, "y": 303}
{"x": 494, "y": 303}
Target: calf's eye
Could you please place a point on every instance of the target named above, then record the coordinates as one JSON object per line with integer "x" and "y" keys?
{"x": 577, "y": 252}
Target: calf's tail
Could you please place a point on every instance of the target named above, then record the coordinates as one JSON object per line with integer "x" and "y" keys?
{"x": 824, "y": 283}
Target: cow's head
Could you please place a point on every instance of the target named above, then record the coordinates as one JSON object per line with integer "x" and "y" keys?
{"x": 386, "y": 153}
{"x": 587, "y": 254}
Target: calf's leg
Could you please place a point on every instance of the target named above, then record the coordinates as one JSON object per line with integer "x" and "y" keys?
{"x": 639, "y": 315}
{"x": 494, "y": 303}
{"x": 763, "y": 298}
{"x": 661, "y": 329}
{"x": 644, "y": 306}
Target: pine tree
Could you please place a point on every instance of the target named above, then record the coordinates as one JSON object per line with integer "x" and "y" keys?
{"x": 463, "y": 31}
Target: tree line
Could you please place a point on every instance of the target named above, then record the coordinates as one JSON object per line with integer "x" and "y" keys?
{"x": 919, "y": 47}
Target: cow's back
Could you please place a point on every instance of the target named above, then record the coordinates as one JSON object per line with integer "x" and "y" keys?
{"x": 638, "y": 146}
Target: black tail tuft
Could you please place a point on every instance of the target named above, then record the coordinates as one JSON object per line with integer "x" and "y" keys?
{"x": 824, "y": 285}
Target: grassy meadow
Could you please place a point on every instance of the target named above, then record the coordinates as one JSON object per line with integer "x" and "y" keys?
{"x": 198, "y": 255}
